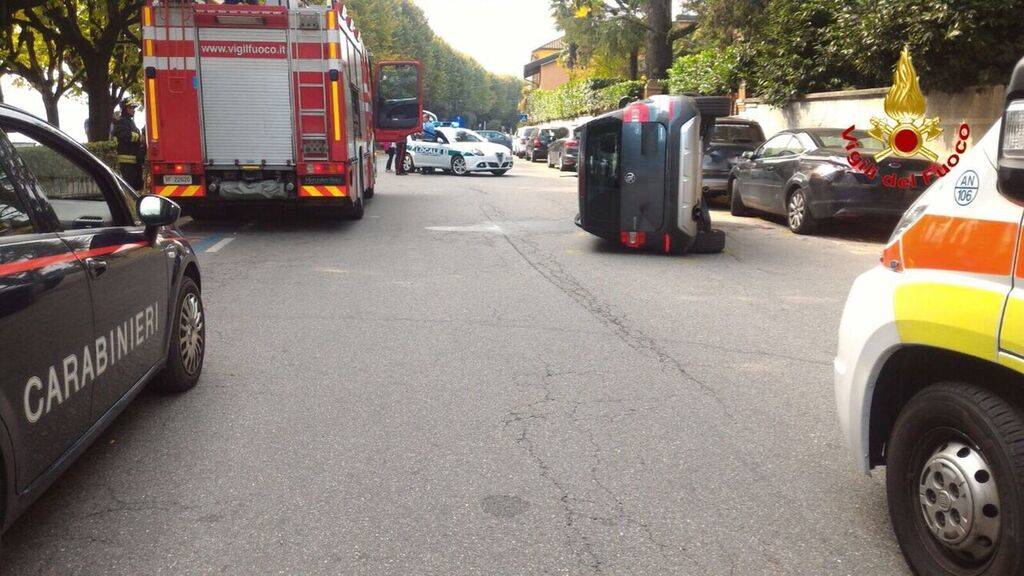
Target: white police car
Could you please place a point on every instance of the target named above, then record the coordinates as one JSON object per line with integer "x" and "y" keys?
{"x": 457, "y": 151}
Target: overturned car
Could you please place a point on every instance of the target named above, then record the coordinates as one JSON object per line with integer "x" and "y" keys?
{"x": 640, "y": 179}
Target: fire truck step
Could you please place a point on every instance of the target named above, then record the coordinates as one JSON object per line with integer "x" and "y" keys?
{"x": 313, "y": 112}
{"x": 308, "y": 85}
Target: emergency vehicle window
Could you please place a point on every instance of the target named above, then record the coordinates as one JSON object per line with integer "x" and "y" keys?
{"x": 14, "y": 218}
{"x": 76, "y": 196}
{"x": 357, "y": 118}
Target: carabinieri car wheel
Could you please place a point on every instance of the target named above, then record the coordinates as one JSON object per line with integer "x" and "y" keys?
{"x": 188, "y": 341}
{"x": 459, "y": 166}
{"x": 954, "y": 481}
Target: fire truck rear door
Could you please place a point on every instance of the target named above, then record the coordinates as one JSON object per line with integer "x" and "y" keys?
{"x": 246, "y": 92}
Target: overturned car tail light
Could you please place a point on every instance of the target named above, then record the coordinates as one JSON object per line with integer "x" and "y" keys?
{"x": 634, "y": 239}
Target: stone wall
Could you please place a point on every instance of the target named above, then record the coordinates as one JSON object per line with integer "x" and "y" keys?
{"x": 979, "y": 107}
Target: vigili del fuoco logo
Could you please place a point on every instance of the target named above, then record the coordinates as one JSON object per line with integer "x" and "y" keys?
{"x": 905, "y": 133}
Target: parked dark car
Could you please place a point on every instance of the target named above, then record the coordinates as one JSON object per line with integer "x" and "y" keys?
{"x": 730, "y": 138}
{"x": 803, "y": 174}
{"x": 564, "y": 152}
{"x": 537, "y": 145}
{"x": 496, "y": 137}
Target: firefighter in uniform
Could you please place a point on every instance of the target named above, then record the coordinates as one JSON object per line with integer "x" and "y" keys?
{"x": 131, "y": 150}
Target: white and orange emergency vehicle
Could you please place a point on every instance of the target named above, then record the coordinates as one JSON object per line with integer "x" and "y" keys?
{"x": 267, "y": 104}
{"x": 930, "y": 367}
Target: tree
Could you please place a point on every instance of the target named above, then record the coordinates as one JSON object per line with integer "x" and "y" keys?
{"x": 96, "y": 31}
{"x": 609, "y": 46}
{"x": 43, "y": 63}
{"x": 722, "y": 23}
{"x": 954, "y": 43}
{"x": 798, "y": 46}
{"x": 653, "y": 16}
{"x": 455, "y": 84}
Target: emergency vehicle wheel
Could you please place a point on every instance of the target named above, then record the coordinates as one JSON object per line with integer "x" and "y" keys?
{"x": 357, "y": 211}
{"x": 188, "y": 341}
{"x": 407, "y": 164}
{"x": 459, "y": 166}
{"x": 798, "y": 213}
{"x": 736, "y": 205}
{"x": 955, "y": 482}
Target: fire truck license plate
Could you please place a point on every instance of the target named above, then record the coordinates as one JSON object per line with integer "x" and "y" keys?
{"x": 177, "y": 179}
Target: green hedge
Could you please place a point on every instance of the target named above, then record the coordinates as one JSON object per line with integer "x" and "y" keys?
{"x": 580, "y": 98}
{"x": 59, "y": 177}
{"x": 711, "y": 72}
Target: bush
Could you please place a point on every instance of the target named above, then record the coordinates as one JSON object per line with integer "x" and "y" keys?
{"x": 105, "y": 151}
{"x": 712, "y": 72}
{"x": 579, "y": 98}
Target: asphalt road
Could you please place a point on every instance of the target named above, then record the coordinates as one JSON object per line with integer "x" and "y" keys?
{"x": 465, "y": 383}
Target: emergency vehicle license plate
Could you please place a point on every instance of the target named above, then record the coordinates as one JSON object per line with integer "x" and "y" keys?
{"x": 177, "y": 179}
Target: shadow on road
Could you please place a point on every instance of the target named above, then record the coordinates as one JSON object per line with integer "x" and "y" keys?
{"x": 871, "y": 230}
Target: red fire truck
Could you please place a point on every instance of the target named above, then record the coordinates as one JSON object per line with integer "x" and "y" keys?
{"x": 268, "y": 105}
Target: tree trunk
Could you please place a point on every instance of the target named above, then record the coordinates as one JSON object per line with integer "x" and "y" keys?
{"x": 659, "y": 47}
{"x": 101, "y": 104}
{"x": 50, "y": 105}
{"x": 634, "y": 64}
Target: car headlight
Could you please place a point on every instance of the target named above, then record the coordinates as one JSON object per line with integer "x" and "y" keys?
{"x": 1013, "y": 130}
{"x": 910, "y": 217}
{"x": 476, "y": 152}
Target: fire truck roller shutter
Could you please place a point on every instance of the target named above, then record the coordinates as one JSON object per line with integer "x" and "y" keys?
{"x": 247, "y": 109}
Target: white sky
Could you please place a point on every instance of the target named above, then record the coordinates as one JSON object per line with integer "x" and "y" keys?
{"x": 499, "y": 34}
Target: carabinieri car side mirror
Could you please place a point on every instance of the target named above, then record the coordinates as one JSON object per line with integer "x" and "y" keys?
{"x": 156, "y": 211}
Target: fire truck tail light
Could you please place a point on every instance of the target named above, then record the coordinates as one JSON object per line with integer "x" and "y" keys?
{"x": 324, "y": 168}
{"x": 172, "y": 168}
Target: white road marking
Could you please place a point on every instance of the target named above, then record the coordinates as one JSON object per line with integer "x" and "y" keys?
{"x": 485, "y": 227}
{"x": 223, "y": 242}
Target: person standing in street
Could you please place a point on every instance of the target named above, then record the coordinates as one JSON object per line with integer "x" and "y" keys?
{"x": 390, "y": 149}
{"x": 400, "y": 154}
{"x": 131, "y": 150}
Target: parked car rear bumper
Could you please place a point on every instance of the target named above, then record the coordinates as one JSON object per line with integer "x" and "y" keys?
{"x": 856, "y": 199}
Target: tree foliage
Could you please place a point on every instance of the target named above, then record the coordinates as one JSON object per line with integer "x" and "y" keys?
{"x": 455, "y": 84}
{"x": 44, "y": 63}
{"x": 793, "y": 47}
{"x": 103, "y": 36}
{"x": 611, "y": 45}
{"x": 710, "y": 71}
